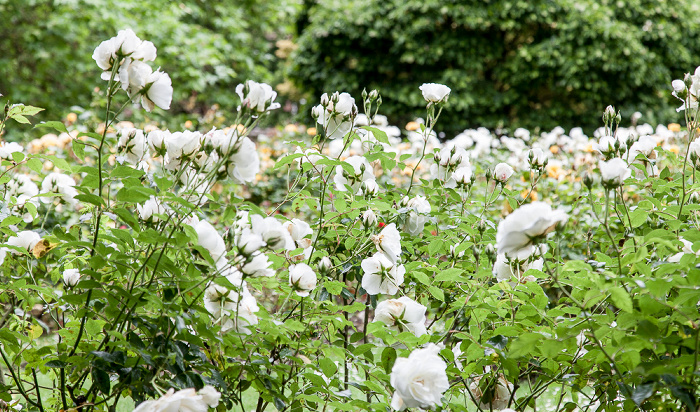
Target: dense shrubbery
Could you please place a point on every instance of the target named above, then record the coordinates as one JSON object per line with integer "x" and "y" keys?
{"x": 394, "y": 271}
{"x": 536, "y": 64}
{"x": 209, "y": 46}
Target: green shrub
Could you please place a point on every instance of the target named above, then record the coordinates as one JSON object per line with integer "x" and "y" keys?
{"x": 209, "y": 46}
{"x": 536, "y": 63}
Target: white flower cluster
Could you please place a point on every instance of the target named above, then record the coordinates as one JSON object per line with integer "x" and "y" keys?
{"x": 124, "y": 58}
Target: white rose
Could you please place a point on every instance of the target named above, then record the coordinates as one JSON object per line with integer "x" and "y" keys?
{"x": 515, "y": 233}
{"x": 245, "y": 163}
{"x": 435, "y": 93}
{"x": 501, "y": 394}
{"x": 502, "y": 172}
{"x": 415, "y": 222}
{"x": 381, "y": 275}
{"x": 614, "y": 171}
{"x": 71, "y": 277}
{"x": 211, "y": 240}
{"x": 258, "y": 266}
{"x": 538, "y": 156}
{"x": 302, "y": 279}
{"x": 150, "y": 207}
{"x": 402, "y": 313}
{"x": 272, "y": 231}
{"x": 210, "y": 396}
{"x": 25, "y": 239}
{"x": 388, "y": 241}
{"x": 419, "y": 380}
{"x": 259, "y": 97}
{"x": 133, "y": 143}
{"x": 61, "y": 184}
{"x": 7, "y": 148}
{"x": 159, "y": 91}
{"x": 300, "y": 232}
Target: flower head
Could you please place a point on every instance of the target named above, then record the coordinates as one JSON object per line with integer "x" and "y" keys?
{"x": 419, "y": 380}
{"x": 517, "y": 233}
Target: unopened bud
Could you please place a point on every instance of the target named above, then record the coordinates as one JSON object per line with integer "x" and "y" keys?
{"x": 325, "y": 265}
{"x": 588, "y": 180}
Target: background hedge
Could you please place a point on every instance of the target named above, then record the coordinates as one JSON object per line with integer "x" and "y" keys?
{"x": 509, "y": 62}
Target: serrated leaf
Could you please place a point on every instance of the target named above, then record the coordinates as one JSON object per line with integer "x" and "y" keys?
{"x": 334, "y": 287}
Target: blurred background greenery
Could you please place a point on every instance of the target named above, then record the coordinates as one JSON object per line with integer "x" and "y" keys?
{"x": 510, "y": 63}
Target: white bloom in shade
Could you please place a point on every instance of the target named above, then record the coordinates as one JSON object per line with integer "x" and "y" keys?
{"x": 248, "y": 242}
{"x": 71, "y": 277}
{"x": 435, "y": 93}
{"x": 504, "y": 270}
{"x": 258, "y": 266}
{"x": 687, "y": 249}
{"x": 419, "y": 380}
{"x": 25, "y": 239}
{"x": 614, "y": 171}
{"x": 7, "y": 148}
{"x": 417, "y": 216}
{"x": 300, "y": 232}
{"x": 150, "y": 207}
{"x": 210, "y": 396}
{"x": 231, "y": 309}
{"x": 185, "y": 400}
{"x": 500, "y": 393}
{"x": 402, "y": 314}
{"x": 302, "y": 279}
{"x": 517, "y": 232}
{"x": 23, "y": 188}
{"x": 258, "y": 97}
{"x": 133, "y": 143}
{"x": 502, "y": 172}
{"x": 181, "y": 146}
{"x": 381, "y": 275}
{"x": 245, "y": 163}
{"x": 61, "y": 184}
{"x": 211, "y": 240}
{"x": 388, "y": 241}
{"x": 272, "y": 231}
{"x": 369, "y": 218}
{"x": 158, "y": 91}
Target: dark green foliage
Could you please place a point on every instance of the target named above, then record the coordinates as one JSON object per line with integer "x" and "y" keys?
{"x": 207, "y": 47}
{"x": 539, "y": 63}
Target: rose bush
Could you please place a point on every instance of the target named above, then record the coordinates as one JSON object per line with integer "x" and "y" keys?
{"x": 365, "y": 269}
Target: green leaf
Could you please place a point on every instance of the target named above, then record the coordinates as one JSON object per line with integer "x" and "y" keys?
{"x": 57, "y": 126}
{"x": 90, "y": 198}
{"x": 621, "y": 299}
{"x": 388, "y": 358}
{"x": 334, "y": 287}
{"x": 378, "y": 134}
{"x": 452, "y": 274}
{"x": 78, "y": 148}
{"x": 101, "y": 380}
{"x": 327, "y": 366}
{"x": 437, "y": 293}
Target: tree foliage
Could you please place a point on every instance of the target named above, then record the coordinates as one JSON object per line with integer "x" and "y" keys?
{"x": 536, "y": 63}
